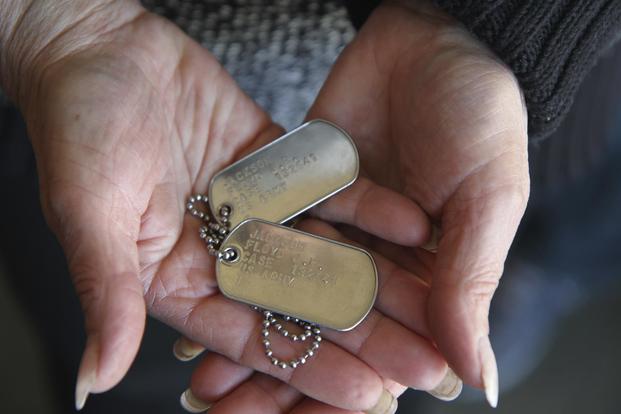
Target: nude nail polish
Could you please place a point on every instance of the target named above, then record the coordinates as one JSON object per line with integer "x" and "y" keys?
{"x": 434, "y": 238}
{"x": 191, "y": 404}
{"x": 387, "y": 404}
{"x": 449, "y": 388}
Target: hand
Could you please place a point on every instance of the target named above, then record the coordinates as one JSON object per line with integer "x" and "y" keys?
{"x": 127, "y": 117}
{"x": 437, "y": 118}
{"x": 224, "y": 386}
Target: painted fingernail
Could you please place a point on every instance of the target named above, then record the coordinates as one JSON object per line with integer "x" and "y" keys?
{"x": 489, "y": 371}
{"x": 387, "y": 404}
{"x": 191, "y": 404}
{"x": 449, "y": 388}
{"x": 432, "y": 244}
{"x": 87, "y": 374}
{"x": 186, "y": 350}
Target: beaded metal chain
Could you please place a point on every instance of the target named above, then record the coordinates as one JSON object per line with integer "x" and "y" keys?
{"x": 213, "y": 233}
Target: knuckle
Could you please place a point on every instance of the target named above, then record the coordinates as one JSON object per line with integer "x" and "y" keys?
{"x": 511, "y": 199}
{"x": 481, "y": 285}
{"x": 360, "y": 394}
{"x": 247, "y": 353}
{"x": 87, "y": 286}
{"x": 63, "y": 204}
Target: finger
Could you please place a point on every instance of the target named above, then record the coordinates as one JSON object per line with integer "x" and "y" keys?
{"x": 217, "y": 376}
{"x": 476, "y": 235}
{"x": 239, "y": 392}
{"x": 416, "y": 260}
{"x": 377, "y": 210}
{"x": 387, "y": 404}
{"x": 261, "y": 394}
{"x": 378, "y": 338}
{"x": 231, "y": 329}
{"x": 352, "y": 386}
{"x": 310, "y": 406}
{"x": 402, "y": 296}
{"x": 213, "y": 378}
{"x": 266, "y": 395}
{"x": 432, "y": 243}
{"x": 373, "y": 208}
{"x": 103, "y": 263}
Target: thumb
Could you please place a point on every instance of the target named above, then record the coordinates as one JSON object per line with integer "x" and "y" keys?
{"x": 477, "y": 232}
{"x": 103, "y": 262}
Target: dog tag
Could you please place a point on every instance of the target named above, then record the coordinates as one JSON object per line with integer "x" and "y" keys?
{"x": 297, "y": 274}
{"x": 287, "y": 176}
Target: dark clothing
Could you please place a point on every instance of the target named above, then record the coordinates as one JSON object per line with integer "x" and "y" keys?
{"x": 549, "y": 45}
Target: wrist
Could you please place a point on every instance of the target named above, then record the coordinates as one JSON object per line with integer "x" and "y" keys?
{"x": 36, "y": 34}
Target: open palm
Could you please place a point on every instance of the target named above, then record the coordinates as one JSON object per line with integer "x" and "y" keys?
{"x": 439, "y": 119}
{"x": 125, "y": 127}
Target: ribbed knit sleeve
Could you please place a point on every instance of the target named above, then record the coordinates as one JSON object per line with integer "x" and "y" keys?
{"x": 549, "y": 44}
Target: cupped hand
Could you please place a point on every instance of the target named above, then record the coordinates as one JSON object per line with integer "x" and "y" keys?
{"x": 224, "y": 386}
{"x": 128, "y": 116}
{"x": 437, "y": 118}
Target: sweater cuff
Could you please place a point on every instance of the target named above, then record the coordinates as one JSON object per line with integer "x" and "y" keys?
{"x": 549, "y": 45}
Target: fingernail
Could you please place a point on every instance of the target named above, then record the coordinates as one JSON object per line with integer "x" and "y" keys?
{"x": 186, "y": 350}
{"x": 87, "y": 374}
{"x": 387, "y": 404}
{"x": 489, "y": 371}
{"x": 191, "y": 404}
{"x": 432, "y": 244}
{"x": 449, "y": 388}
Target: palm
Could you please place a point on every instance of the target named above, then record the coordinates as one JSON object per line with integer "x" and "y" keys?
{"x": 425, "y": 118}
{"x": 437, "y": 118}
{"x": 154, "y": 136}
{"x": 122, "y": 137}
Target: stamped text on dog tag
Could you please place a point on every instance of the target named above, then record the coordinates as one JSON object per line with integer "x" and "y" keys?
{"x": 287, "y": 176}
{"x": 297, "y": 274}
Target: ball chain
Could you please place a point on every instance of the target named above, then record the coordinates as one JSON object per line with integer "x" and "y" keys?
{"x": 213, "y": 233}
{"x": 308, "y": 330}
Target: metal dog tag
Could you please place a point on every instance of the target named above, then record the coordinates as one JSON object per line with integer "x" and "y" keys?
{"x": 287, "y": 176}
{"x": 297, "y": 274}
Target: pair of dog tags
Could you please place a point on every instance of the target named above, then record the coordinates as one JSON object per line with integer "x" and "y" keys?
{"x": 278, "y": 268}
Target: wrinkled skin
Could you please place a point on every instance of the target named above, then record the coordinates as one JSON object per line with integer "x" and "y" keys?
{"x": 128, "y": 123}
{"x": 125, "y": 125}
{"x": 437, "y": 118}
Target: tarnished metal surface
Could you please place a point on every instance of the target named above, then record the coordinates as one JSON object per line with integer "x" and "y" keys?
{"x": 298, "y": 274}
{"x": 287, "y": 176}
